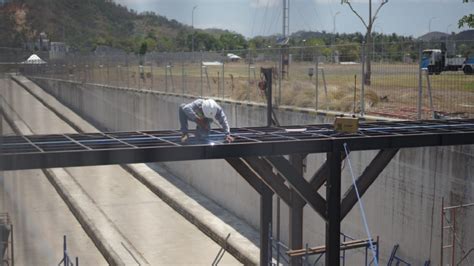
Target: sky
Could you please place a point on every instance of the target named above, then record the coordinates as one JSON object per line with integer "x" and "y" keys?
{"x": 264, "y": 17}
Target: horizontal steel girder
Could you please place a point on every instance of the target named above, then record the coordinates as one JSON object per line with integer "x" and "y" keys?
{"x": 67, "y": 150}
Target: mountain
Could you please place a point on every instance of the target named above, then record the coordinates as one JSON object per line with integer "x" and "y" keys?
{"x": 84, "y": 24}
{"x": 467, "y": 35}
{"x": 433, "y": 36}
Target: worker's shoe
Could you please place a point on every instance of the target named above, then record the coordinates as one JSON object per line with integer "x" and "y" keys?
{"x": 184, "y": 137}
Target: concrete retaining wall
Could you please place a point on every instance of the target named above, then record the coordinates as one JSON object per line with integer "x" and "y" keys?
{"x": 403, "y": 206}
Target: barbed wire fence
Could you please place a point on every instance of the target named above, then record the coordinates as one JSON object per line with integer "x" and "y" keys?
{"x": 327, "y": 78}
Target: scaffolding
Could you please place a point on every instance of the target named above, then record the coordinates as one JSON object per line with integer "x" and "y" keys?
{"x": 6, "y": 240}
{"x": 448, "y": 222}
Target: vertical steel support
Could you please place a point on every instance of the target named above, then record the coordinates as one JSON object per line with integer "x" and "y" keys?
{"x": 333, "y": 197}
{"x": 296, "y": 212}
{"x": 65, "y": 258}
{"x": 266, "y": 208}
{"x": 266, "y": 198}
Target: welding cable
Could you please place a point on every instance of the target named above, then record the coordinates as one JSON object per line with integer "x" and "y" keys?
{"x": 361, "y": 206}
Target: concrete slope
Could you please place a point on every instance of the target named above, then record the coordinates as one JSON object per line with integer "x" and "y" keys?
{"x": 136, "y": 223}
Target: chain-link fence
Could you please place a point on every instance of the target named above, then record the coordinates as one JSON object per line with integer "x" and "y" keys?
{"x": 405, "y": 80}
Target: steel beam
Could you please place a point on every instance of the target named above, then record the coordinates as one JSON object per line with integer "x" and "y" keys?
{"x": 300, "y": 185}
{"x": 266, "y": 207}
{"x": 30, "y": 152}
{"x": 320, "y": 177}
{"x": 333, "y": 196}
{"x": 371, "y": 172}
{"x": 247, "y": 174}
{"x": 272, "y": 180}
{"x": 296, "y": 211}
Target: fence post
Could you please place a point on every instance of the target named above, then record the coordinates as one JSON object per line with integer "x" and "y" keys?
{"x": 166, "y": 77}
{"x": 420, "y": 85}
{"x": 183, "y": 84}
{"x": 248, "y": 82}
{"x": 362, "y": 87}
{"x": 280, "y": 76}
{"x": 317, "y": 82}
{"x": 200, "y": 66}
{"x": 151, "y": 72}
{"x": 128, "y": 72}
{"x": 223, "y": 82}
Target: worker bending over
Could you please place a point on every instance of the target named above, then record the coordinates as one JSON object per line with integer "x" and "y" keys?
{"x": 202, "y": 112}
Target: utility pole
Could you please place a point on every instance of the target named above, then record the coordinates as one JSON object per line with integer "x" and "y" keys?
{"x": 286, "y": 18}
{"x": 284, "y": 51}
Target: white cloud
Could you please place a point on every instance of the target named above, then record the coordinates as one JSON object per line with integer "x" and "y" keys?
{"x": 264, "y": 3}
{"x": 378, "y": 1}
{"x": 136, "y": 2}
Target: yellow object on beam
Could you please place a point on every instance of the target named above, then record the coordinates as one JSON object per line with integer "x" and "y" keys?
{"x": 346, "y": 124}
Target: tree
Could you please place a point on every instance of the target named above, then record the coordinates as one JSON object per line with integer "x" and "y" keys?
{"x": 467, "y": 20}
{"x": 368, "y": 35}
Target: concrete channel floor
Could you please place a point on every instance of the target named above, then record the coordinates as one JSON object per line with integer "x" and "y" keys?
{"x": 152, "y": 228}
{"x": 41, "y": 218}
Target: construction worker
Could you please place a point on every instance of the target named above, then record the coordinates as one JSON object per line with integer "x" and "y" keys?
{"x": 202, "y": 112}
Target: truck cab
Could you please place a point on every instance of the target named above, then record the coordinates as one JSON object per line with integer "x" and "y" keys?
{"x": 468, "y": 66}
{"x": 436, "y": 61}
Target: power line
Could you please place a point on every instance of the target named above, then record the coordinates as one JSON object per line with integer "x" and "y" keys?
{"x": 265, "y": 18}
{"x": 303, "y": 18}
{"x": 276, "y": 17}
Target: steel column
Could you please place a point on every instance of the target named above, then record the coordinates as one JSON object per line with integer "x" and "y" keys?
{"x": 296, "y": 212}
{"x": 333, "y": 197}
{"x": 266, "y": 207}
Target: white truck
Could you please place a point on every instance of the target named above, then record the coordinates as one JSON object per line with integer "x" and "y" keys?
{"x": 437, "y": 61}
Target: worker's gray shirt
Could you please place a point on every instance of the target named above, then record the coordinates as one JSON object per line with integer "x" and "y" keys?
{"x": 193, "y": 111}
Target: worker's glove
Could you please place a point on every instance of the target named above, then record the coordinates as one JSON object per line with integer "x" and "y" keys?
{"x": 229, "y": 139}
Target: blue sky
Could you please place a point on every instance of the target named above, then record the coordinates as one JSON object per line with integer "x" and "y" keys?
{"x": 264, "y": 17}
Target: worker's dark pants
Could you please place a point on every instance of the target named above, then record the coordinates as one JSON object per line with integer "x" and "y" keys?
{"x": 183, "y": 120}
